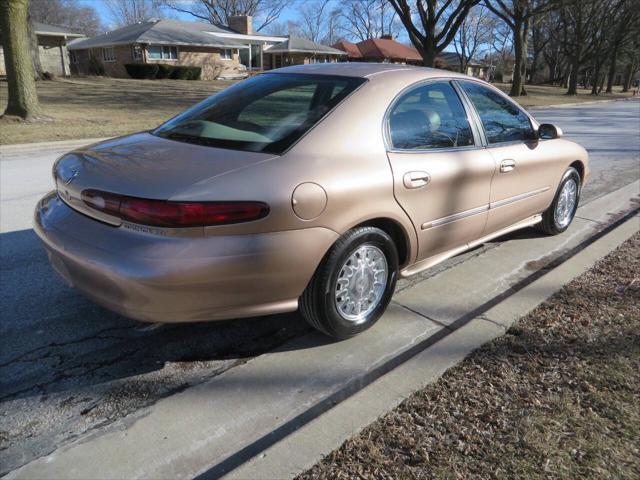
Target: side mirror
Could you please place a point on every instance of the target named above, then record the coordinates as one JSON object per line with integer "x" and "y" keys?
{"x": 548, "y": 131}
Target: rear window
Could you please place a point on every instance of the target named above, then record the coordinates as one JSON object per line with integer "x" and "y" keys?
{"x": 267, "y": 113}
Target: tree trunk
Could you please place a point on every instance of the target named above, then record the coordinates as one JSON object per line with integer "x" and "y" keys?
{"x": 35, "y": 54}
{"x": 626, "y": 82}
{"x": 573, "y": 77}
{"x": 533, "y": 71}
{"x": 429, "y": 57}
{"x": 23, "y": 98}
{"x": 552, "y": 65}
{"x": 520, "y": 67}
{"x": 596, "y": 78}
{"x": 612, "y": 70}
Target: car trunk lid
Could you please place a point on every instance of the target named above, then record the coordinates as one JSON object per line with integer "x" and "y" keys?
{"x": 144, "y": 166}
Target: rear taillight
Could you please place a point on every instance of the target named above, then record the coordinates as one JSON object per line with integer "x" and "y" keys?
{"x": 160, "y": 213}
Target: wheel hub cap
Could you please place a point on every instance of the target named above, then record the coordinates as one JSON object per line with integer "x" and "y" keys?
{"x": 361, "y": 283}
{"x": 566, "y": 203}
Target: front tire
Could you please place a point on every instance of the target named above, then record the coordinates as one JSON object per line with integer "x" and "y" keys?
{"x": 353, "y": 285}
{"x": 557, "y": 218}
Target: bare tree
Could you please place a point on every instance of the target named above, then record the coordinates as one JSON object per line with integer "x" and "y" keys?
{"x": 23, "y": 97}
{"x": 66, "y": 13}
{"x": 541, "y": 37}
{"x": 218, "y": 11}
{"x": 582, "y": 29}
{"x": 317, "y": 21}
{"x": 631, "y": 57}
{"x": 604, "y": 46}
{"x": 625, "y": 30}
{"x": 499, "y": 54}
{"x": 473, "y": 33}
{"x": 517, "y": 14}
{"x": 313, "y": 17}
{"x": 364, "y": 19}
{"x": 432, "y": 24}
{"x": 128, "y": 12}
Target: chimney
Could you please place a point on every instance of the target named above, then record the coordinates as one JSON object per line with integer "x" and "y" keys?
{"x": 386, "y": 37}
{"x": 241, "y": 23}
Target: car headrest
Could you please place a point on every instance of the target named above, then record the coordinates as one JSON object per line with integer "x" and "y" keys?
{"x": 412, "y": 128}
{"x": 433, "y": 117}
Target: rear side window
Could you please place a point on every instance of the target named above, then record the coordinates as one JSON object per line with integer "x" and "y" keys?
{"x": 429, "y": 116}
{"x": 503, "y": 121}
{"x": 267, "y": 113}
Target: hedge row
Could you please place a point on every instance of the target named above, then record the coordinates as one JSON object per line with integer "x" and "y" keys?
{"x": 152, "y": 71}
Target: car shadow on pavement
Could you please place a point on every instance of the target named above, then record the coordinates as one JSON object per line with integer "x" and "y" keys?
{"x": 54, "y": 340}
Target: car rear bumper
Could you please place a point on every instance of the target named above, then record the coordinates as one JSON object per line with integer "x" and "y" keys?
{"x": 156, "y": 278}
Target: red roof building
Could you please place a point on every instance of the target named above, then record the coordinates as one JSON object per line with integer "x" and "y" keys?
{"x": 351, "y": 49}
{"x": 380, "y": 50}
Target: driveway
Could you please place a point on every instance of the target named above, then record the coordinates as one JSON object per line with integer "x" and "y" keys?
{"x": 68, "y": 367}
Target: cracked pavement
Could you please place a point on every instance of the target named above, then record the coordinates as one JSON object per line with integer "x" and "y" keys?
{"x": 68, "y": 367}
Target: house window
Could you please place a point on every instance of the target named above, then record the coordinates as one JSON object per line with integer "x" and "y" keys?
{"x": 162, "y": 52}
{"x": 73, "y": 58}
{"x": 226, "y": 54}
{"x": 136, "y": 52}
{"x": 108, "y": 54}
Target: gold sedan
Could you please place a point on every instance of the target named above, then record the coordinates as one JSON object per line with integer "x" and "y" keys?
{"x": 310, "y": 187}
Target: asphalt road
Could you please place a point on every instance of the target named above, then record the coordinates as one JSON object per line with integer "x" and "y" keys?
{"x": 68, "y": 367}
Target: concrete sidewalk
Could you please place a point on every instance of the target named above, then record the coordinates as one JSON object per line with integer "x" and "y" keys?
{"x": 278, "y": 413}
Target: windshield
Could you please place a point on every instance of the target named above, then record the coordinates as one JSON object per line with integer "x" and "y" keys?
{"x": 267, "y": 113}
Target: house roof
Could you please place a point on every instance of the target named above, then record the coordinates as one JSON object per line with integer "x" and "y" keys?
{"x": 54, "y": 30}
{"x": 385, "y": 49}
{"x": 302, "y": 45}
{"x": 452, "y": 59}
{"x": 351, "y": 48}
{"x": 162, "y": 32}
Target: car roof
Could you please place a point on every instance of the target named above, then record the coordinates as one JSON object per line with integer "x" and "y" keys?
{"x": 369, "y": 70}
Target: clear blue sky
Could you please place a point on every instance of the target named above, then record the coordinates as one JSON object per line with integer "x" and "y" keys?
{"x": 103, "y": 12}
{"x": 289, "y": 13}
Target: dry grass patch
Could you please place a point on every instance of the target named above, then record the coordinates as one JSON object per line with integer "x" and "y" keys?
{"x": 104, "y": 107}
{"x": 92, "y": 107}
{"x": 558, "y": 396}
{"x": 544, "y": 95}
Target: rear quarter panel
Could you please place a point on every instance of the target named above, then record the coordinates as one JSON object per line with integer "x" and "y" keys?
{"x": 344, "y": 154}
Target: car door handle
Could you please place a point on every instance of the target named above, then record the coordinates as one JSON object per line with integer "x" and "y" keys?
{"x": 416, "y": 179}
{"x": 507, "y": 165}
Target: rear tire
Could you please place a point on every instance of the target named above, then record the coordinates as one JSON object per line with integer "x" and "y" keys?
{"x": 353, "y": 285}
{"x": 557, "y": 218}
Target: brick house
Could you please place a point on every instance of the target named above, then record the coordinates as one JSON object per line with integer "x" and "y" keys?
{"x": 52, "y": 42}
{"x": 387, "y": 50}
{"x": 382, "y": 50}
{"x": 221, "y": 52}
{"x": 298, "y": 51}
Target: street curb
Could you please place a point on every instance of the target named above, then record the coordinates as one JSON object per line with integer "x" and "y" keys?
{"x": 305, "y": 447}
{"x": 18, "y": 148}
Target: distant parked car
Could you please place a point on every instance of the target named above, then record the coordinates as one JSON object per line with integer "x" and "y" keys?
{"x": 310, "y": 187}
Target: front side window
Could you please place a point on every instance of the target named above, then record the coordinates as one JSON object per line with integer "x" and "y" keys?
{"x": 162, "y": 52}
{"x": 429, "y": 116}
{"x": 108, "y": 54}
{"x": 266, "y": 113}
{"x": 136, "y": 52}
{"x": 503, "y": 121}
